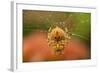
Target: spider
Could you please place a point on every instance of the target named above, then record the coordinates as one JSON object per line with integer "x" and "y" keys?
{"x": 57, "y": 38}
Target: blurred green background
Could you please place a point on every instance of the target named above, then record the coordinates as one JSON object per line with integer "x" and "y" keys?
{"x": 77, "y": 22}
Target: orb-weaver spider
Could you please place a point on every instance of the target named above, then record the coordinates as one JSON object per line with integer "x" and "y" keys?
{"x": 57, "y": 38}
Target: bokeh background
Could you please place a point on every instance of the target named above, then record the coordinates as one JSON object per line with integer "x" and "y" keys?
{"x": 35, "y": 29}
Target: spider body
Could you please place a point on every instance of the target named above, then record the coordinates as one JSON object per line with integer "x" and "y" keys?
{"x": 57, "y": 38}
